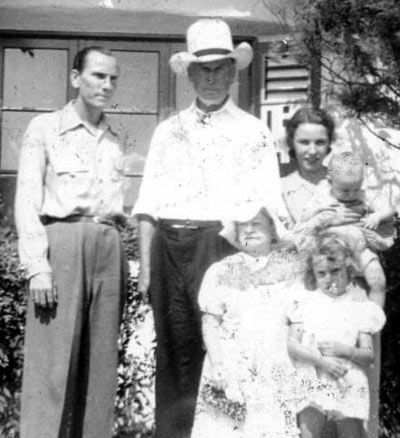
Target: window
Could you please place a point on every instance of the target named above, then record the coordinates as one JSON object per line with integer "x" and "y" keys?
{"x": 285, "y": 86}
{"x": 35, "y": 80}
{"x": 34, "y": 73}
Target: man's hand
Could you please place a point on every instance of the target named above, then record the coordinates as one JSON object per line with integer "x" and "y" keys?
{"x": 42, "y": 290}
{"x": 218, "y": 377}
{"x": 144, "y": 283}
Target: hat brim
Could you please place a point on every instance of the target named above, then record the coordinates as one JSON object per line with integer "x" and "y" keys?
{"x": 246, "y": 212}
{"x": 242, "y": 54}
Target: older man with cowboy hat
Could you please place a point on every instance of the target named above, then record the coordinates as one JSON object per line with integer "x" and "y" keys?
{"x": 200, "y": 162}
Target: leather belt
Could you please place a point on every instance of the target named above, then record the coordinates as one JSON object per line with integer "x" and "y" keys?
{"x": 188, "y": 223}
{"x": 106, "y": 220}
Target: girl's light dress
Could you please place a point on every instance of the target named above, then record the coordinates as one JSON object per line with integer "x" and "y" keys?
{"x": 339, "y": 319}
{"x": 250, "y": 296}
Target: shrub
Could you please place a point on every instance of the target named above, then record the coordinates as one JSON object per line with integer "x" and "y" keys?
{"x": 12, "y": 322}
{"x": 135, "y": 394}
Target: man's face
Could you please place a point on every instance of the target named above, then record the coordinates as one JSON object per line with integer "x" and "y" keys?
{"x": 97, "y": 81}
{"x": 212, "y": 80}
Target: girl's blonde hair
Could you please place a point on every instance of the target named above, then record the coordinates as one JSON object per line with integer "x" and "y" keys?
{"x": 334, "y": 248}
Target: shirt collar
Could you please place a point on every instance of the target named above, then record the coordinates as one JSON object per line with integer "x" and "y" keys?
{"x": 70, "y": 120}
{"x": 228, "y": 107}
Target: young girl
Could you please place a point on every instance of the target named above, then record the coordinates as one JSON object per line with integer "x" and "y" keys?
{"x": 246, "y": 388}
{"x": 330, "y": 339}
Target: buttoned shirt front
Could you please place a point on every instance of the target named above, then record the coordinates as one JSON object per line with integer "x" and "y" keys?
{"x": 201, "y": 164}
{"x": 67, "y": 167}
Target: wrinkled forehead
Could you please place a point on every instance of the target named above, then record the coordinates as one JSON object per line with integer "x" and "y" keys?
{"x": 213, "y": 65}
{"x": 261, "y": 217}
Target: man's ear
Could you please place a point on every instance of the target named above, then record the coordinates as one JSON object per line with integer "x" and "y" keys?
{"x": 75, "y": 77}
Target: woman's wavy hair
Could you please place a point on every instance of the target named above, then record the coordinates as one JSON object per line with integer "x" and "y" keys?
{"x": 308, "y": 114}
{"x": 333, "y": 247}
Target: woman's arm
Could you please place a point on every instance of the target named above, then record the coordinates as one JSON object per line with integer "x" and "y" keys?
{"x": 373, "y": 219}
{"x": 362, "y": 354}
{"x": 210, "y": 326}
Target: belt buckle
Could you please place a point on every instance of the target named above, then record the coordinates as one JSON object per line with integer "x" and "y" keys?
{"x": 185, "y": 226}
{"x": 190, "y": 226}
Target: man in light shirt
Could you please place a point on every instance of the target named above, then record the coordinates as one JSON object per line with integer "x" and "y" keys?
{"x": 200, "y": 163}
{"x": 69, "y": 198}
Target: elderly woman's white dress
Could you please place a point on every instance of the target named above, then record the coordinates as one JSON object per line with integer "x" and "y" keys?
{"x": 250, "y": 296}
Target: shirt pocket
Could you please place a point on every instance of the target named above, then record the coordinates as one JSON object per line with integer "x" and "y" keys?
{"x": 117, "y": 172}
{"x": 112, "y": 169}
{"x": 73, "y": 175}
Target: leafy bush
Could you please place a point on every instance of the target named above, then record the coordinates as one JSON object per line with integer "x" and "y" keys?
{"x": 135, "y": 394}
{"x": 12, "y": 322}
{"x": 134, "y": 402}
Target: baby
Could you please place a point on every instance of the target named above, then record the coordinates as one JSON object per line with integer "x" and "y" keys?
{"x": 370, "y": 231}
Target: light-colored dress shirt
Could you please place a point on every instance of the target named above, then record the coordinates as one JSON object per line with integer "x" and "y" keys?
{"x": 199, "y": 165}
{"x": 66, "y": 167}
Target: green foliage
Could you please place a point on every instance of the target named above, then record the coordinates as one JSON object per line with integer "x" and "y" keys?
{"x": 12, "y": 321}
{"x": 135, "y": 394}
{"x": 358, "y": 45}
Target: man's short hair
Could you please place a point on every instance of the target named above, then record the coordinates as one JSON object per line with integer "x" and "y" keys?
{"x": 80, "y": 57}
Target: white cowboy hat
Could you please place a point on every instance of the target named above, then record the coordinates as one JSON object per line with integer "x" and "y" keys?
{"x": 210, "y": 39}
